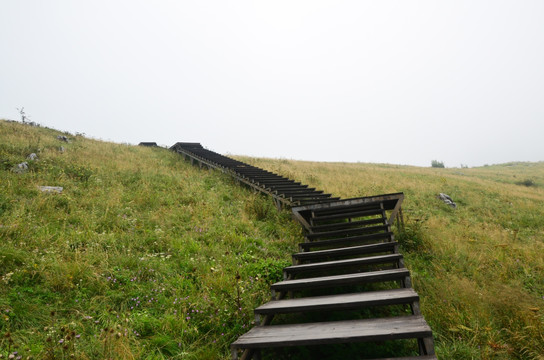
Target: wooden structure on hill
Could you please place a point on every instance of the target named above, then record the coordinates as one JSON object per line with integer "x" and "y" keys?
{"x": 346, "y": 275}
{"x": 284, "y": 191}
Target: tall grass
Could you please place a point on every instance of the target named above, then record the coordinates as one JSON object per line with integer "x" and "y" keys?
{"x": 144, "y": 257}
{"x": 479, "y": 269}
{"x": 141, "y": 257}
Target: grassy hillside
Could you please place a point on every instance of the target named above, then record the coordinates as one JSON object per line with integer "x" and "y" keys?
{"x": 144, "y": 257}
{"x": 141, "y": 257}
{"x": 479, "y": 269}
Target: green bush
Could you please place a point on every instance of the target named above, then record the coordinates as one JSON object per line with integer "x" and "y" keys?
{"x": 526, "y": 182}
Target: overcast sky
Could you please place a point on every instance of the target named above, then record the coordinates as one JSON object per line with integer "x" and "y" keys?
{"x": 401, "y": 82}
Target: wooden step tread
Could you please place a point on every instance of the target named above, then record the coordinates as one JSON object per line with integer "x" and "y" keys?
{"x": 348, "y": 215}
{"x": 346, "y": 225}
{"x": 322, "y": 200}
{"x": 300, "y": 191}
{"x": 327, "y": 265}
{"x": 346, "y": 251}
{"x": 289, "y": 186}
{"x": 341, "y": 280}
{"x": 315, "y": 195}
{"x": 335, "y": 332}
{"x": 359, "y": 230}
{"x": 270, "y": 182}
{"x": 345, "y": 241}
{"x": 339, "y": 302}
{"x": 346, "y": 208}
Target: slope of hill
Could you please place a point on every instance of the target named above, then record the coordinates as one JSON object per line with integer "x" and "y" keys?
{"x": 479, "y": 268}
{"x": 144, "y": 257}
{"x": 140, "y": 257}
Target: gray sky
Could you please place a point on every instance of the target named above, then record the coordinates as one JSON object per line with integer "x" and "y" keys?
{"x": 401, "y": 82}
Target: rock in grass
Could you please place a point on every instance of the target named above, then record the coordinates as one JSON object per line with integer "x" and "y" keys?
{"x": 51, "y": 189}
{"x": 447, "y": 200}
{"x": 63, "y": 138}
{"x": 21, "y": 168}
{"x": 32, "y": 157}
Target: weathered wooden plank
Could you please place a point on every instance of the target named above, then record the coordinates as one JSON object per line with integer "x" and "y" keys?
{"x": 347, "y": 215}
{"x": 339, "y": 302}
{"x": 339, "y": 242}
{"x": 341, "y": 280}
{"x": 296, "y": 185}
{"x": 311, "y": 195}
{"x": 346, "y": 232}
{"x": 403, "y": 327}
{"x": 389, "y": 201}
{"x": 347, "y": 225}
{"x": 269, "y": 183}
{"x": 329, "y": 265}
{"x": 350, "y": 208}
{"x": 275, "y": 189}
{"x": 300, "y": 191}
{"x": 347, "y": 251}
{"x": 267, "y": 177}
{"x": 317, "y": 201}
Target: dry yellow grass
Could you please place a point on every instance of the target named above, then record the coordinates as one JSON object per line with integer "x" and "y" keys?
{"x": 479, "y": 269}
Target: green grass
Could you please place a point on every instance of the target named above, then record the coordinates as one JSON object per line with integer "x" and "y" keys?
{"x": 145, "y": 257}
{"x": 139, "y": 256}
{"x": 479, "y": 269}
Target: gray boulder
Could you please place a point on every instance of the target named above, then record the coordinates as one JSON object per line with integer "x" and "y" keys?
{"x": 21, "y": 168}
{"x": 447, "y": 200}
{"x": 51, "y": 189}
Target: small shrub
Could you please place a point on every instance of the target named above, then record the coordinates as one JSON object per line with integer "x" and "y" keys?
{"x": 259, "y": 207}
{"x": 411, "y": 237}
{"x": 437, "y": 164}
{"x": 526, "y": 182}
{"x": 5, "y": 204}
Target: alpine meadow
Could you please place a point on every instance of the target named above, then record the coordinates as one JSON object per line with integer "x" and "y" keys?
{"x": 143, "y": 256}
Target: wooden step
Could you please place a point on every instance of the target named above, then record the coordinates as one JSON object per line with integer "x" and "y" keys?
{"x": 301, "y": 191}
{"x": 347, "y": 215}
{"x": 313, "y": 194}
{"x": 253, "y": 171}
{"x": 294, "y": 190}
{"x": 288, "y": 186}
{"x": 266, "y": 177}
{"x": 330, "y": 265}
{"x": 302, "y": 195}
{"x": 339, "y": 302}
{"x": 341, "y": 280}
{"x": 270, "y": 183}
{"x": 346, "y": 208}
{"x": 345, "y": 232}
{"x": 346, "y": 251}
{"x": 334, "y": 332}
{"x": 346, "y": 241}
{"x": 315, "y": 201}
{"x": 347, "y": 225}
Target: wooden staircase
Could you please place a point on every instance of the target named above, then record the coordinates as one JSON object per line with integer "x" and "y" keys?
{"x": 349, "y": 262}
{"x": 348, "y": 267}
{"x": 284, "y": 191}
